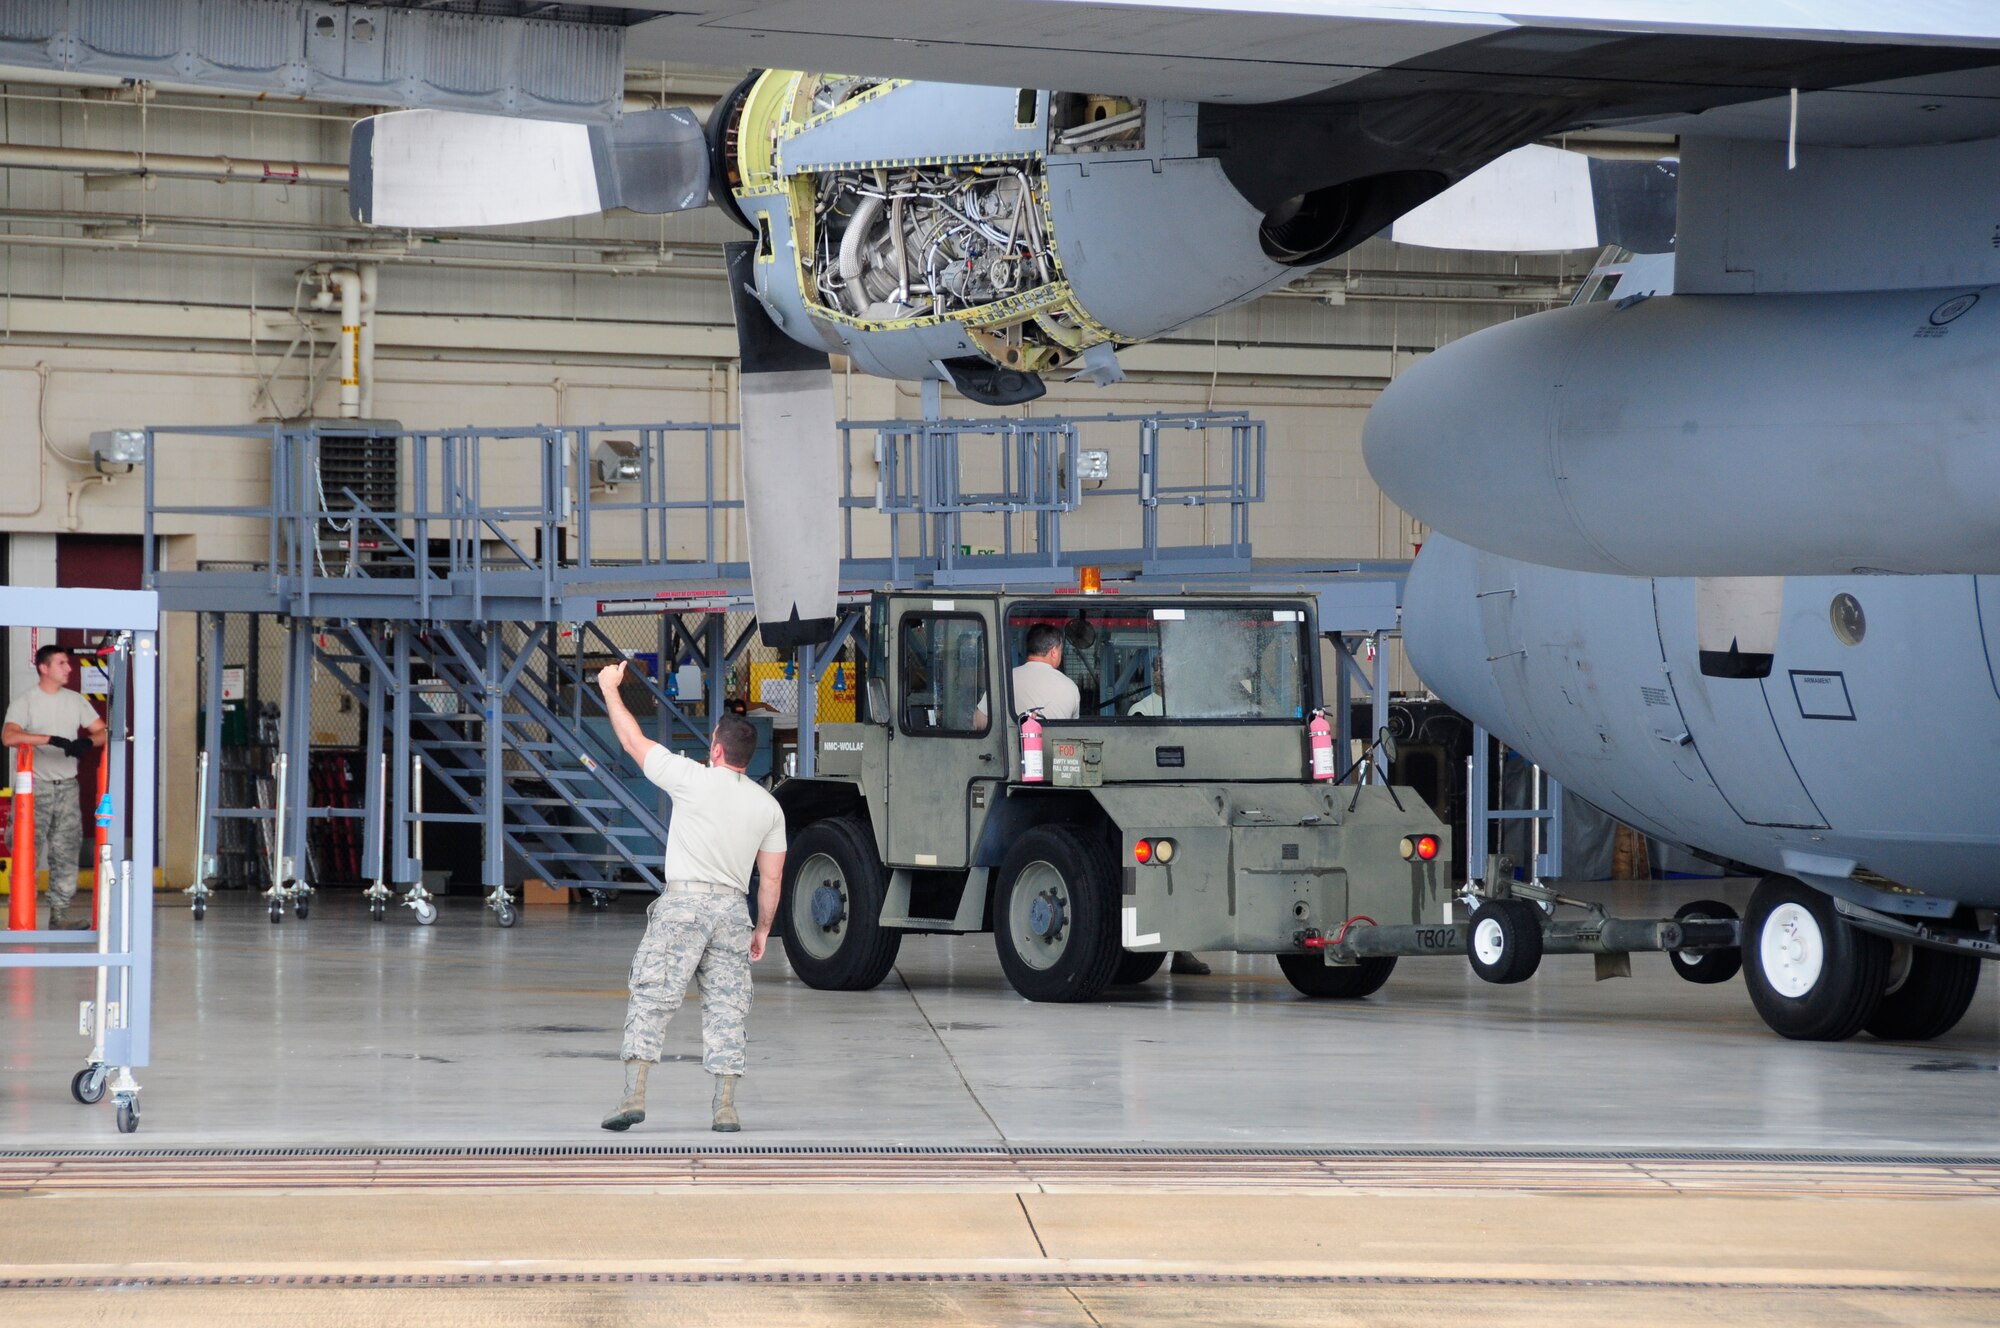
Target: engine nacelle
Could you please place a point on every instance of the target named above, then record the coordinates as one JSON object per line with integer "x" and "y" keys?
{"x": 993, "y": 234}
{"x": 1712, "y": 435}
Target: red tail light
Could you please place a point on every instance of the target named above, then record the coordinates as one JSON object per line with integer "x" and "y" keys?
{"x": 1142, "y": 852}
{"x": 1427, "y": 847}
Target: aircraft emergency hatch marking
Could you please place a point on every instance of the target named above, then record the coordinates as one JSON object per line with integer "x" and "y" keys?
{"x": 1821, "y": 695}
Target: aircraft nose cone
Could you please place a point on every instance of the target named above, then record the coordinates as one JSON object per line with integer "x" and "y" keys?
{"x": 1461, "y": 441}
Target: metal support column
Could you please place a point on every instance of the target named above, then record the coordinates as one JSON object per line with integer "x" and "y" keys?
{"x": 374, "y": 778}
{"x": 208, "y": 831}
{"x": 493, "y": 792}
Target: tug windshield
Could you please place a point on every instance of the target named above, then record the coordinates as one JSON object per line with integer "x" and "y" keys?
{"x": 1177, "y": 663}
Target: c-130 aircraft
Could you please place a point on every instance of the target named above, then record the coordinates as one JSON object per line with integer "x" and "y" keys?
{"x": 1726, "y": 561}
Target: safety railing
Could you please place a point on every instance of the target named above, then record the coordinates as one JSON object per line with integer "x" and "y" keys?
{"x": 527, "y": 514}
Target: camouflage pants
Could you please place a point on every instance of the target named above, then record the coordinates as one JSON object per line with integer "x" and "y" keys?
{"x": 704, "y": 937}
{"x": 58, "y": 838}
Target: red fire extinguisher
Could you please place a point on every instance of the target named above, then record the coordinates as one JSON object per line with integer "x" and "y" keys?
{"x": 1031, "y": 747}
{"x": 1321, "y": 735}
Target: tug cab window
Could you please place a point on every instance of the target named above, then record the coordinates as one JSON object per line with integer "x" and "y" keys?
{"x": 943, "y": 668}
{"x": 1178, "y": 663}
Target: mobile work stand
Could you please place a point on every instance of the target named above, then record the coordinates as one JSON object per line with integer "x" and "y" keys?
{"x": 120, "y": 1018}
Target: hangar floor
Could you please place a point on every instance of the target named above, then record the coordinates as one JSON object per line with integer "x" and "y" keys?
{"x": 1198, "y": 1150}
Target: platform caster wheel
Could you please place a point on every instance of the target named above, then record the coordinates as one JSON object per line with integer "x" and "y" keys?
{"x": 88, "y": 1085}
{"x": 426, "y": 912}
{"x": 301, "y": 909}
{"x": 277, "y": 914}
{"x": 1504, "y": 941}
{"x": 128, "y": 1117}
{"x": 506, "y": 915}
{"x": 200, "y": 909}
{"x": 1705, "y": 968}
{"x": 596, "y": 901}
{"x": 377, "y": 911}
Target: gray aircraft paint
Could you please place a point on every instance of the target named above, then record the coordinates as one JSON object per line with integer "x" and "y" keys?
{"x": 1601, "y": 685}
{"x": 1694, "y": 435}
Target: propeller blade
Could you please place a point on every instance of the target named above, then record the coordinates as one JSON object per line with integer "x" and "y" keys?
{"x": 1544, "y": 200}
{"x": 791, "y": 469}
{"x": 426, "y": 170}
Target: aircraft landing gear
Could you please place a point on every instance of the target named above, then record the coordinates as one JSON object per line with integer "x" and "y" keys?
{"x": 1812, "y": 975}
{"x": 1928, "y": 992}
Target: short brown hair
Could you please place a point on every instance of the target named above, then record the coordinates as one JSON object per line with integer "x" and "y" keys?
{"x": 47, "y": 653}
{"x": 738, "y": 737}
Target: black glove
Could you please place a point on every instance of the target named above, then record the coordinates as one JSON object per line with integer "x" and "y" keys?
{"x": 70, "y": 747}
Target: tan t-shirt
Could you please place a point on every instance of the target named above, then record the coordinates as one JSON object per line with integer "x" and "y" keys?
{"x": 63, "y": 714}
{"x": 1043, "y": 687}
{"x": 722, "y": 820}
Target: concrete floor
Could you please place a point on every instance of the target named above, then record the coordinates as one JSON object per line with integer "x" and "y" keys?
{"x": 339, "y": 1032}
{"x": 336, "y": 1031}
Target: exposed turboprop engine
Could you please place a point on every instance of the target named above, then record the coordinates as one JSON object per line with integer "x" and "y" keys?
{"x": 986, "y": 236}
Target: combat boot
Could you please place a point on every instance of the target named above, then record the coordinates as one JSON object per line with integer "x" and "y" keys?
{"x": 726, "y": 1119}
{"x": 1187, "y": 966}
{"x": 633, "y": 1109}
{"x": 60, "y": 920}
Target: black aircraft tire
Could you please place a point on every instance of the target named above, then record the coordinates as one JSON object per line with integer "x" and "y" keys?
{"x": 855, "y": 951}
{"x": 1706, "y": 968}
{"x": 1504, "y": 940}
{"x": 1931, "y": 999}
{"x": 1313, "y": 976}
{"x": 1078, "y": 962}
{"x": 1135, "y": 966}
{"x": 1812, "y": 977}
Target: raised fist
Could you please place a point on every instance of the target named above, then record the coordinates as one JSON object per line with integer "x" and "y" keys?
{"x": 611, "y": 677}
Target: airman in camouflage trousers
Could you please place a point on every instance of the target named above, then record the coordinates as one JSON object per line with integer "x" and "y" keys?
{"x": 58, "y": 837}
{"x": 701, "y": 936}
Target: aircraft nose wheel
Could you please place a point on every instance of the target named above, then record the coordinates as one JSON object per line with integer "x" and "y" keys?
{"x": 1812, "y": 976}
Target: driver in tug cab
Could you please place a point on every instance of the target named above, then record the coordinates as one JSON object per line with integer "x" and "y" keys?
{"x": 1039, "y": 683}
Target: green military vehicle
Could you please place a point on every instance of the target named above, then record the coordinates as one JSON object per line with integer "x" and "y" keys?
{"x": 1177, "y": 812}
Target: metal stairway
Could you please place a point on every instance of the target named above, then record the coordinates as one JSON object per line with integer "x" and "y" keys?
{"x": 564, "y": 806}
{"x": 562, "y": 809}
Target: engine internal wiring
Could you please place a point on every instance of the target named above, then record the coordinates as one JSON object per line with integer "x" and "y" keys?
{"x": 928, "y": 241}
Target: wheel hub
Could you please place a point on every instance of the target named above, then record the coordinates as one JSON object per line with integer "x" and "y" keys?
{"x": 829, "y": 905}
{"x": 1793, "y": 950}
{"x": 1488, "y": 942}
{"x": 1046, "y": 916}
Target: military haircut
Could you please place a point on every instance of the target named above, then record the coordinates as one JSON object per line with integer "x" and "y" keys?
{"x": 47, "y": 653}
{"x": 1042, "y": 638}
{"x": 738, "y": 737}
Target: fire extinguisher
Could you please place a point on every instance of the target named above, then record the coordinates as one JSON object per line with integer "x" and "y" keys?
{"x": 1321, "y": 735}
{"x": 1031, "y": 747}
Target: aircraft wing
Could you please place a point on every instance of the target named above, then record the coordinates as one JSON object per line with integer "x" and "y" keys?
{"x": 1574, "y": 62}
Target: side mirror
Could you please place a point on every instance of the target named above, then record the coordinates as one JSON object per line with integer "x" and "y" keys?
{"x": 877, "y": 698}
{"x": 1387, "y": 741}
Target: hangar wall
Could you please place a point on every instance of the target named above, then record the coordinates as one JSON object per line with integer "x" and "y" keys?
{"x": 134, "y": 298}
